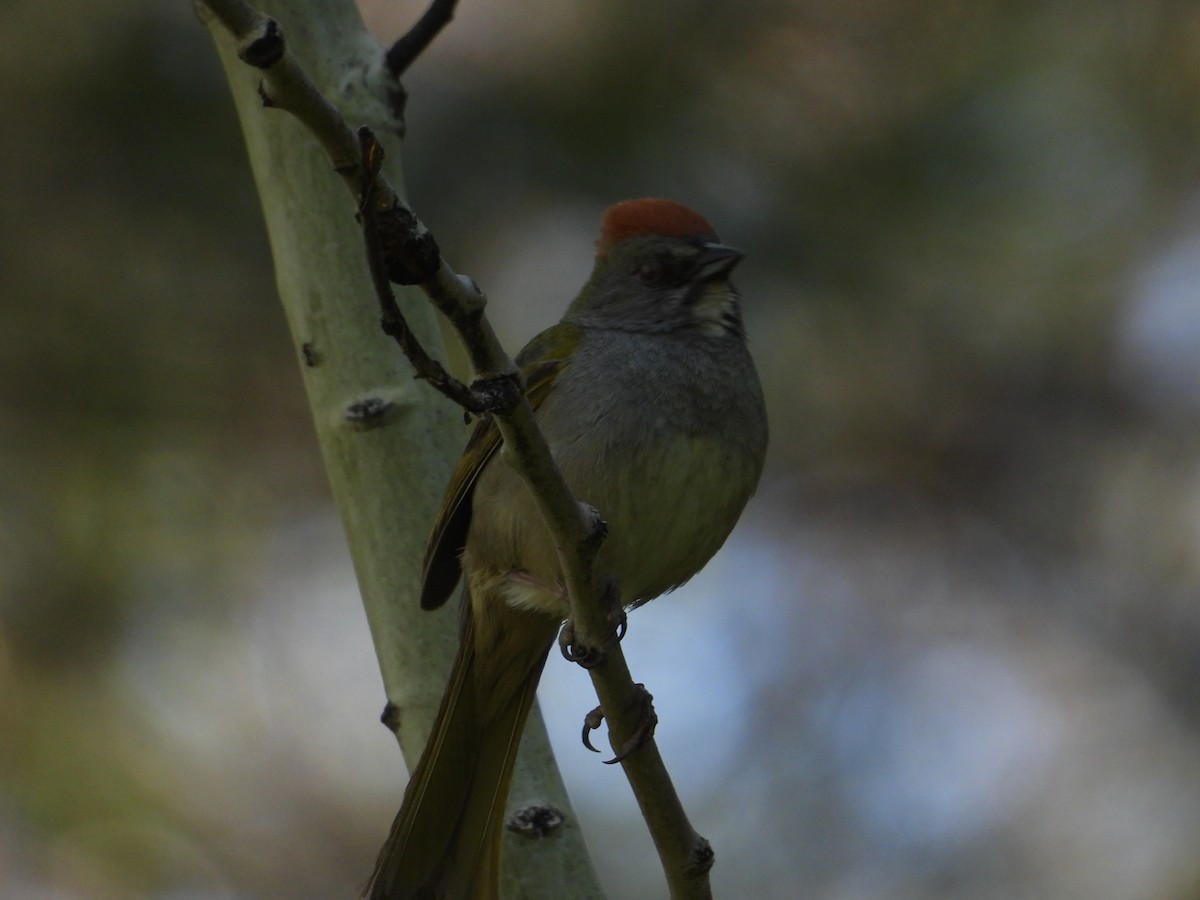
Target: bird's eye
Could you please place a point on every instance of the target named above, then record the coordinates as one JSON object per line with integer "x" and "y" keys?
{"x": 650, "y": 272}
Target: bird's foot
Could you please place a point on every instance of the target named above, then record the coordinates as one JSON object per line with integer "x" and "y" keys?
{"x": 591, "y": 656}
{"x": 647, "y": 722}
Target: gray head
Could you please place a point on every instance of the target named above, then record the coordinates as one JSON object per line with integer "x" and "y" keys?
{"x": 660, "y": 267}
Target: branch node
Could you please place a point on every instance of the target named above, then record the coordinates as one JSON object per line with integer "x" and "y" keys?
{"x": 264, "y": 95}
{"x": 264, "y": 47}
{"x": 390, "y": 717}
{"x": 497, "y": 393}
{"x": 397, "y": 99}
{"x": 410, "y": 253}
{"x": 369, "y": 412}
{"x": 536, "y": 821}
{"x": 409, "y": 248}
{"x": 700, "y": 858}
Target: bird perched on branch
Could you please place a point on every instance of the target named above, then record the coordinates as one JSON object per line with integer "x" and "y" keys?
{"x": 651, "y": 406}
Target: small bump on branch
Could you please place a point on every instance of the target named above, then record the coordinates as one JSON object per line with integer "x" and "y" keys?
{"x": 264, "y": 47}
{"x": 536, "y": 821}
{"x": 390, "y": 717}
{"x": 370, "y": 412}
{"x": 701, "y": 858}
{"x": 409, "y": 249}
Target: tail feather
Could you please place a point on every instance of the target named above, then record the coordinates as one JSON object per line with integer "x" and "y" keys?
{"x": 445, "y": 841}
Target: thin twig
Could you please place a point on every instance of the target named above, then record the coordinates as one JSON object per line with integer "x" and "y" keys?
{"x": 392, "y": 319}
{"x": 405, "y": 51}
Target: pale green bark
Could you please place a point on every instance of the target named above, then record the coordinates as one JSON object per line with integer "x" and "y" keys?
{"x": 386, "y": 479}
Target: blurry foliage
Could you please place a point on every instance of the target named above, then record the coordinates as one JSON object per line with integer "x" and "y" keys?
{"x": 975, "y": 500}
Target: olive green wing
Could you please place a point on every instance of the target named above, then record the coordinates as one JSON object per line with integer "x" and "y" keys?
{"x": 540, "y": 361}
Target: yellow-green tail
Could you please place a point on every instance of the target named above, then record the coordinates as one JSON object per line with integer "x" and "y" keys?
{"x": 445, "y": 841}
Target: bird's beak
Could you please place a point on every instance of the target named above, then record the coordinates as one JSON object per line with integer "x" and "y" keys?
{"x": 717, "y": 261}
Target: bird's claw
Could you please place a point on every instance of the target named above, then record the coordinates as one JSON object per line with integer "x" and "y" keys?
{"x": 588, "y": 657}
{"x": 620, "y": 620}
{"x": 592, "y": 656}
{"x": 590, "y": 723}
{"x": 648, "y": 721}
{"x": 644, "y": 732}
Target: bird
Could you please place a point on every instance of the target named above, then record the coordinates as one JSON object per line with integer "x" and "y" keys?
{"x": 652, "y": 408}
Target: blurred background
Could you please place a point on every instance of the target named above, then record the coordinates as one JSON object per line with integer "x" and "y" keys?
{"x": 953, "y": 649}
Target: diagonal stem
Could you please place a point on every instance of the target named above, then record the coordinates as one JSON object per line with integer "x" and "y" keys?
{"x": 405, "y": 51}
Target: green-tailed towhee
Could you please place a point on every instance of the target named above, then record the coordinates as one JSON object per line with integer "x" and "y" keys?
{"x": 652, "y": 408}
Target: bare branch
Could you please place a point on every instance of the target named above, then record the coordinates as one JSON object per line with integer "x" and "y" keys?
{"x": 261, "y": 44}
{"x": 406, "y": 50}
{"x": 391, "y": 318}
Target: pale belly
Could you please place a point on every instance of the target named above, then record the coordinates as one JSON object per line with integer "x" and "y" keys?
{"x": 667, "y": 512}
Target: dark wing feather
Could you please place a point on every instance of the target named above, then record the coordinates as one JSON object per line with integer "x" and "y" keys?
{"x": 541, "y": 361}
